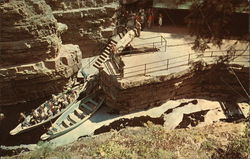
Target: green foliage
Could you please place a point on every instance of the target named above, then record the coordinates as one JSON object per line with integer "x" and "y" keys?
{"x": 148, "y": 143}
{"x": 198, "y": 66}
{"x": 210, "y": 21}
{"x": 207, "y": 145}
{"x": 238, "y": 148}
{"x": 44, "y": 151}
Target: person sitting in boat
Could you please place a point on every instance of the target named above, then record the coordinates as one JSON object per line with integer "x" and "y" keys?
{"x": 26, "y": 121}
{"x": 68, "y": 99}
{"x": 22, "y": 117}
{"x": 43, "y": 115}
{"x": 54, "y": 97}
{"x": 50, "y": 112}
{"x": 53, "y": 109}
{"x": 65, "y": 103}
{"x": 35, "y": 115}
{"x": 46, "y": 104}
{"x": 46, "y": 111}
{"x": 60, "y": 100}
{"x": 59, "y": 107}
{"x": 33, "y": 121}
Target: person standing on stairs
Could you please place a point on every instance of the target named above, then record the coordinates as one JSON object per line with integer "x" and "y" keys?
{"x": 138, "y": 28}
{"x": 160, "y": 20}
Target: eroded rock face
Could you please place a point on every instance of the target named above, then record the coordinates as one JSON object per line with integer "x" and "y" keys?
{"x": 214, "y": 82}
{"x": 90, "y": 22}
{"x": 33, "y": 61}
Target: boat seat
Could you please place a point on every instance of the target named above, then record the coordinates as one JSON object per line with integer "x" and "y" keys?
{"x": 66, "y": 121}
{"x": 72, "y": 119}
{"x": 79, "y": 113}
{"x": 92, "y": 101}
{"x": 64, "y": 124}
{"x": 91, "y": 105}
{"x": 85, "y": 110}
{"x": 86, "y": 106}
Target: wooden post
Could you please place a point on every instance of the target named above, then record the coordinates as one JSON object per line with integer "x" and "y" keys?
{"x": 212, "y": 54}
{"x": 165, "y": 45}
{"x": 167, "y": 63}
{"x": 188, "y": 58}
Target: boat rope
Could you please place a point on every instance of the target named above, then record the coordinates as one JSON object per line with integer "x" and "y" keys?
{"x": 239, "y": 81}
{"x": 231, "y": 87}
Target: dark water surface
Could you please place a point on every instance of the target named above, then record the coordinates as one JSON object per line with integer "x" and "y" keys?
{"x": 11, "y": 121}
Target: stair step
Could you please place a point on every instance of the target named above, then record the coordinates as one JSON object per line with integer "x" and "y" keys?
{"x": 120, "y": 35}
{"x": 107, "y": 51}
{"x": 113, "y": 41}
{"x": 105, "y": 54}
{"x": 108, "y": 47}
{"x": 103, "y": 57}
{"x": 96, "y": 66}
{"x": 98, "y": 63}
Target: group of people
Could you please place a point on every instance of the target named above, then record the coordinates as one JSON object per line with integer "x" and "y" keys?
{"x": 145, "y": 17}
{"x": 49, "y": 108}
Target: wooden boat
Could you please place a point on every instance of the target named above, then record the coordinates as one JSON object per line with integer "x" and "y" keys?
{"x": 75, "y": 116}
{"x": 22, "y": 127}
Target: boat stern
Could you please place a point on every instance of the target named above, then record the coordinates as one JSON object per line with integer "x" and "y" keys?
{"x": 16, "y": 130}
{"x": 45, "y": 136}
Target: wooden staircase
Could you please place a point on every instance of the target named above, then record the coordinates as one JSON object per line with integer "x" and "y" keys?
{"x": 105, "y": 55}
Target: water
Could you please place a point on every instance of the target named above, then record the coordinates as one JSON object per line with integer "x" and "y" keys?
{"x": 11, "y": 121}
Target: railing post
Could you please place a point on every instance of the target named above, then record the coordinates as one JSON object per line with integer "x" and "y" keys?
{"x": 167, "y": 63}
{"x": 153, "y": 45}
{"x": 165, "y": 45}
{"x": 161, "y": 40}
{"x": 145, "y": 68}
{"x": 188, "y": 58}
{"x": 212, "y": 54}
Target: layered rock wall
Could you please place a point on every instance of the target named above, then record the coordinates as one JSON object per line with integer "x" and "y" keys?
{"x": 214, "y": 82}
{"x": 33, "y": 62}
{"x": 90, "y": 22}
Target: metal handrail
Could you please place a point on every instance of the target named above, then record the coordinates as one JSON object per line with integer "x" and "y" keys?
{"x": 162, "y": 39}
{"x": 146, "y": 68}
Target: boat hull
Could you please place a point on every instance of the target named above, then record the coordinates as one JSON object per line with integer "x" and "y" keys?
{"x": 47, "y": 136}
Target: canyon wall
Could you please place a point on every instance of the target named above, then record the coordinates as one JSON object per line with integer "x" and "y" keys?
{"x": 33, "y": 61}
{"x": 90, "y": 22}
{"x": 214, "y": 82}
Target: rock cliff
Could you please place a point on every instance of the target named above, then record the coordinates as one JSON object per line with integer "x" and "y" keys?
{"x": 33, "y": 61}
{"x": 90, "y": 22}
{"x": 145, "y": 93}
